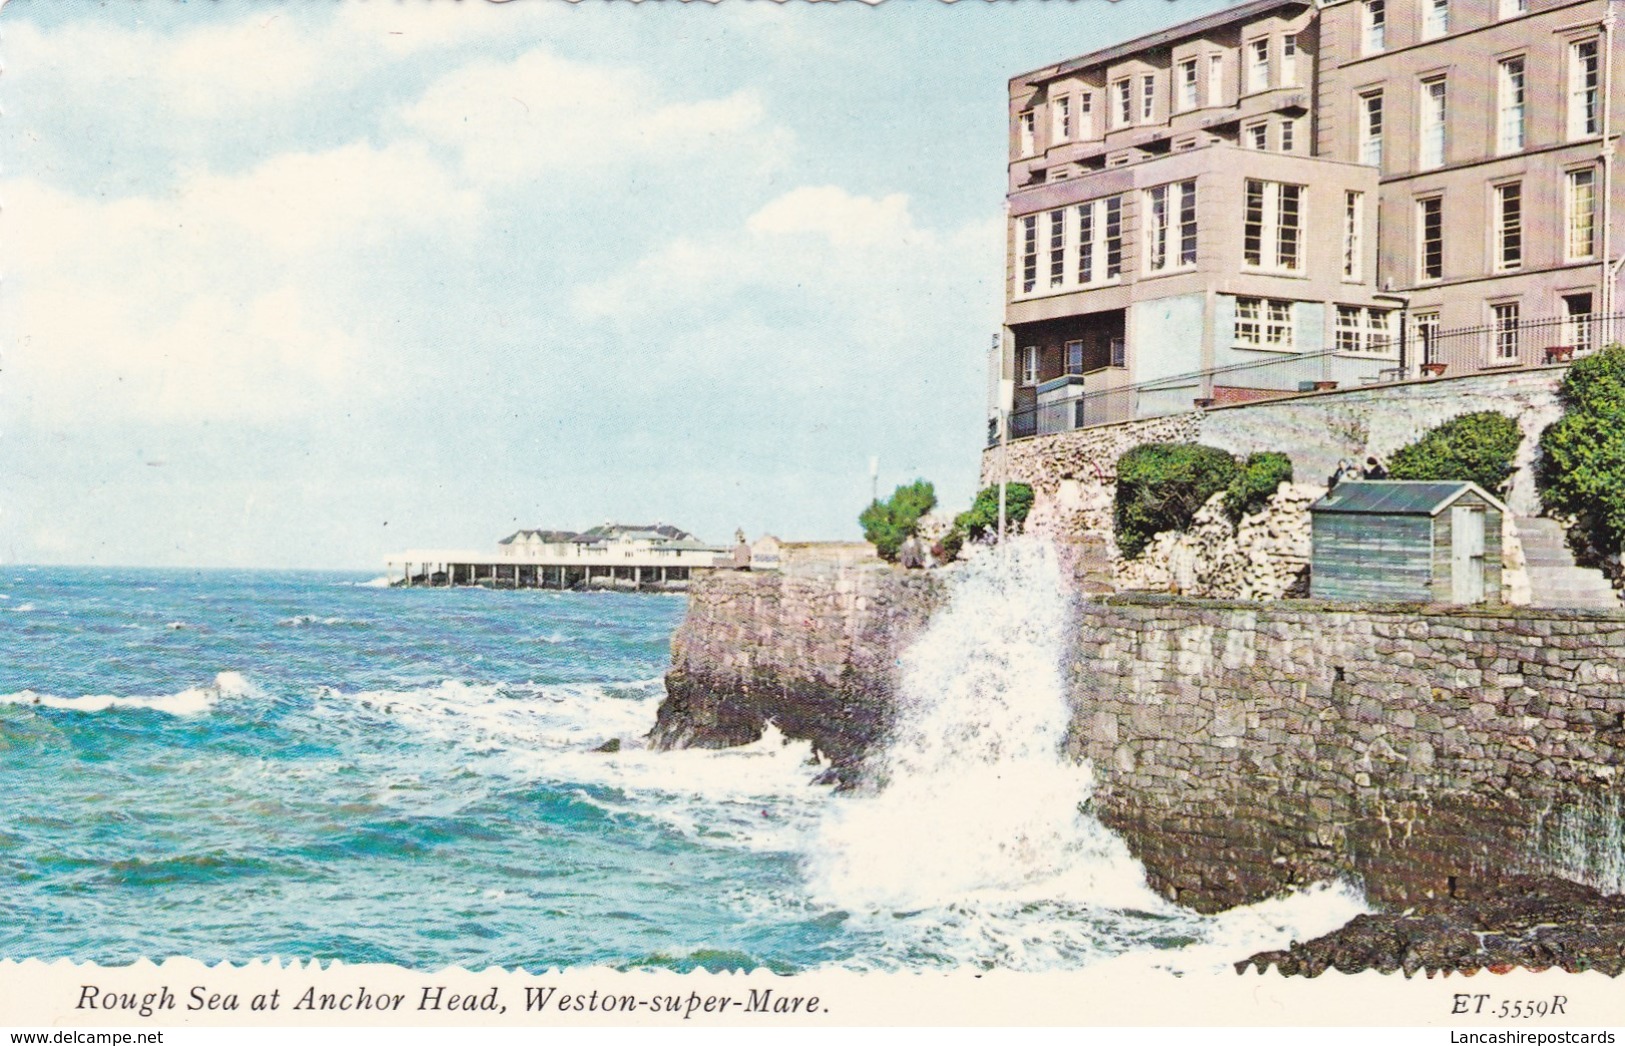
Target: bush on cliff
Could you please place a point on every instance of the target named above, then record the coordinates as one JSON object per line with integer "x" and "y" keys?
{"x": 887, "y": 524}
{"x": 1260, "y": 476}
{"x": 1477, "y": 447}
{"x": 1160, "y": 486}
{"x": 983, "y": 516}
{"x": 1582, "y": 469}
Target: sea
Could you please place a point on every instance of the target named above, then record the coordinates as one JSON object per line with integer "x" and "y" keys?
{"x": 240, "y": 765}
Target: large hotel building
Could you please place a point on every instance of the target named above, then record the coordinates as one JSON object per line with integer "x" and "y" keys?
{"x": 1290, "y": 195}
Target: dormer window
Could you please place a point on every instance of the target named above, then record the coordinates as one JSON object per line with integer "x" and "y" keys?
{"x": 1258, "y": 65}
{"x": 1061, "y": 112}
{"x": 1148, "y": 98}
{"x": 1027, "y": 130}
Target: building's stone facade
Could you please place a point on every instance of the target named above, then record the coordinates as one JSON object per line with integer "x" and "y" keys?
{"x": 1240, "y": 748}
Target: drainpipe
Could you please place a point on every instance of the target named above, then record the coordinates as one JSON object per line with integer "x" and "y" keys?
{"x": 1611, "y": 265}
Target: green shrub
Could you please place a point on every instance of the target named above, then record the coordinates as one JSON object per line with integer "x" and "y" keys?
{"x": 983, "y": 516}
{"x": 1477, "y": 447}
{"x": 1582, "y": 470}
{"x": 1160, "y": 486}
{"x": 887, "y": 524}
{"x": 1260, "y": 476}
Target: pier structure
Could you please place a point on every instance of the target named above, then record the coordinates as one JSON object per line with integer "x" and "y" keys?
{"x": 613, "y": 556}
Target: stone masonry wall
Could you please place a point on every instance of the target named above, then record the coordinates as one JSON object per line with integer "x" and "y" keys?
{"x": 1073, "y": 474}
{"x": 811, "y": 647}
{"x": 1239, "y": 748}
{"x": 1243, "y": 747}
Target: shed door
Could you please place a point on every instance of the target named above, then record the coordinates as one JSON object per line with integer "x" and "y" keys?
{"x": 1466, "y": 555}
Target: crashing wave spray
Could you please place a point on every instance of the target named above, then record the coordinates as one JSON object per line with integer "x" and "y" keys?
{"x": 979, "y": 798}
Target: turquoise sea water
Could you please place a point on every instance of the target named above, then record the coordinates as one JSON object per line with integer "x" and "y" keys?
{"x": 235, "y": 765}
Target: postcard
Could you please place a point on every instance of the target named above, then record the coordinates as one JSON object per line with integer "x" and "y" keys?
{"x": 797, "y": 515}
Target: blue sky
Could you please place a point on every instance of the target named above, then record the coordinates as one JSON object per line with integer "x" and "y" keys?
{"x": 294, "y": 285}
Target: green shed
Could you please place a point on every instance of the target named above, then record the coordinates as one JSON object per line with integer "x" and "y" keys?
{"x": 1406, "y": 541}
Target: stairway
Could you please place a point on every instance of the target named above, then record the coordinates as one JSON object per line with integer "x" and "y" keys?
{"x": 1554, "y": 580}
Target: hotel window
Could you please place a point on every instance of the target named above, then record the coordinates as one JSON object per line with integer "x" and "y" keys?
{"x": 1289, "y": 61}
{"x": 1508, "y": 226}
{"x": 1580, "y": 240}
{"x": 1430, "y": 238}
{"x": 1086, "y": 115}
{"x": 1256, "y": 136}
{"x": 1028, "y": 124}
{"x": 1353, "y": 234}
{"x": 1123, "y": 103}
{"x": 1258, "y": 65}
{"x": 1170, "y": 226}
{"x": 1264, "y": 322}
{"x": 1509, "y": 106}
{"x": 1577, "y": 322}
{"x": 1061, "y": 124}
{"x": 1148, "y": 97}
{"x": 1057, "y": 247}
{"x": 1119, "y": 351}
{"x": 1100, "y": 256}
{"x": 1425, "y": 325}
{"x": 1289, "y": 134}
{"x": 1373, "y": 26}
{"x": 1435, "y": 18}
{"x": 1187, "y": 84}
{"x": 1511, "y": 8}
{"x": 1583, "y": 112}
{"x": 1430, "y": 152}
{"x": 1371, "y": 129}
{"x": 1364, "y": 331}
{"x": 1215, "y": 79}
{"x": 1505, "y": 345}
{"x": 1272, "y": 225}
{"x": 1029, "y": 365}
{"x": 1074, "y": 357}
{"x": 1029, "y": 254}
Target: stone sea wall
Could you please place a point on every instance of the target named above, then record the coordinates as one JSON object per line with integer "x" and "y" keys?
{"x": 1239, "y": 748}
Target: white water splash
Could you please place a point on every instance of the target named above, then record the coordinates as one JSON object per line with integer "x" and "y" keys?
{"x": 979, "y": 799}
{"x": 190, "y": 701}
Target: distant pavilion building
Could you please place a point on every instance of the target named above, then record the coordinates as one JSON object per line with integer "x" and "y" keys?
{"x": 660, "y": 557}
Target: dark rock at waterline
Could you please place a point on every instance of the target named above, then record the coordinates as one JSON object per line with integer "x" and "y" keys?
{"x": 1533, "y": 922}
{"x": 612, "y": 745}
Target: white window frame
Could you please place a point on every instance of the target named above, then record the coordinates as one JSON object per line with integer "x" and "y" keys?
{"x": 1584, "y": 116}
{"x": 1061, "y": 127}
{"x": 1289, "y": 60}
{"x": 1364, "y": 330}
{"x": 1353, "y": 234}
{"x": 1511, "y": 94}
{"x": 1265, "y": 323}
{"x": 1027, "y": 132}
{"x": 1435, "y": 19}
{"x": 1187, "y": 94}
{"x": 1425, "y": 205}
{"x": 1123, "y": 102}
{"x": 1580, "y": 223}
{"x": 1055, "y": 251}
{"x": 1433, "y": 119}
{"x": 1258, "y": 65}
{"x": 1029, "y": 365}
{"x": 1373, "y": 26}
{"x": 1511, "y": 8}
{"x": 1579, "y": 328}
{"x": 1215, "y": 79}
{"x": 1092, "y": 264}
{"x": 1507, "y": 221}
{"x": 1289, "y": 134}
{"x": 1170, "y": 227}
{"x": 1280, "y": 224}
{"x": 1370, "y": 119}
{"x": 1148, "y": 98}
{"x": 1256, "y": 136}
{"x": 1028, "y": 241}
{"x": 1506, "y": 321}
{"x": 1425, "y": 332}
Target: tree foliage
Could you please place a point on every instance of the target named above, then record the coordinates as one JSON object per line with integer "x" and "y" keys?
{"x": 887, "y": 524}
{"x": 1478, "y": 447}
{"x": 1160, "y": 486}
{"x": 1582, "y": 471}
{"x": 983, "y": 516}
{"x": 1256, "y": 482}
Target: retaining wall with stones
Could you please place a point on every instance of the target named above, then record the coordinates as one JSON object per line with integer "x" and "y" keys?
{"x": 1239, "y": 748}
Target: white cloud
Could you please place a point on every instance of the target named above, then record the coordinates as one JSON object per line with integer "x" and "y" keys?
{"x": 512, "y": 120}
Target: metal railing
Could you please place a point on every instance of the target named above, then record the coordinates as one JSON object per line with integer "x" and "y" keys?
{"x": 1489, "y": 348}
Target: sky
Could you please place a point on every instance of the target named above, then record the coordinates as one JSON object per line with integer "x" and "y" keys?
{"x": 298, "y": 285}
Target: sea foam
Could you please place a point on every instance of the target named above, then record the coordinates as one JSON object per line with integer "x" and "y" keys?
{"x": 190, "y": 701}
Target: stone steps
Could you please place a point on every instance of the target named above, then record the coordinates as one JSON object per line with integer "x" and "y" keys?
{"x": 1554, "y": 579}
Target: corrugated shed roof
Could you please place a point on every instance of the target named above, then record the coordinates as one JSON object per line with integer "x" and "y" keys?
{"x": 1397, "y": 497}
